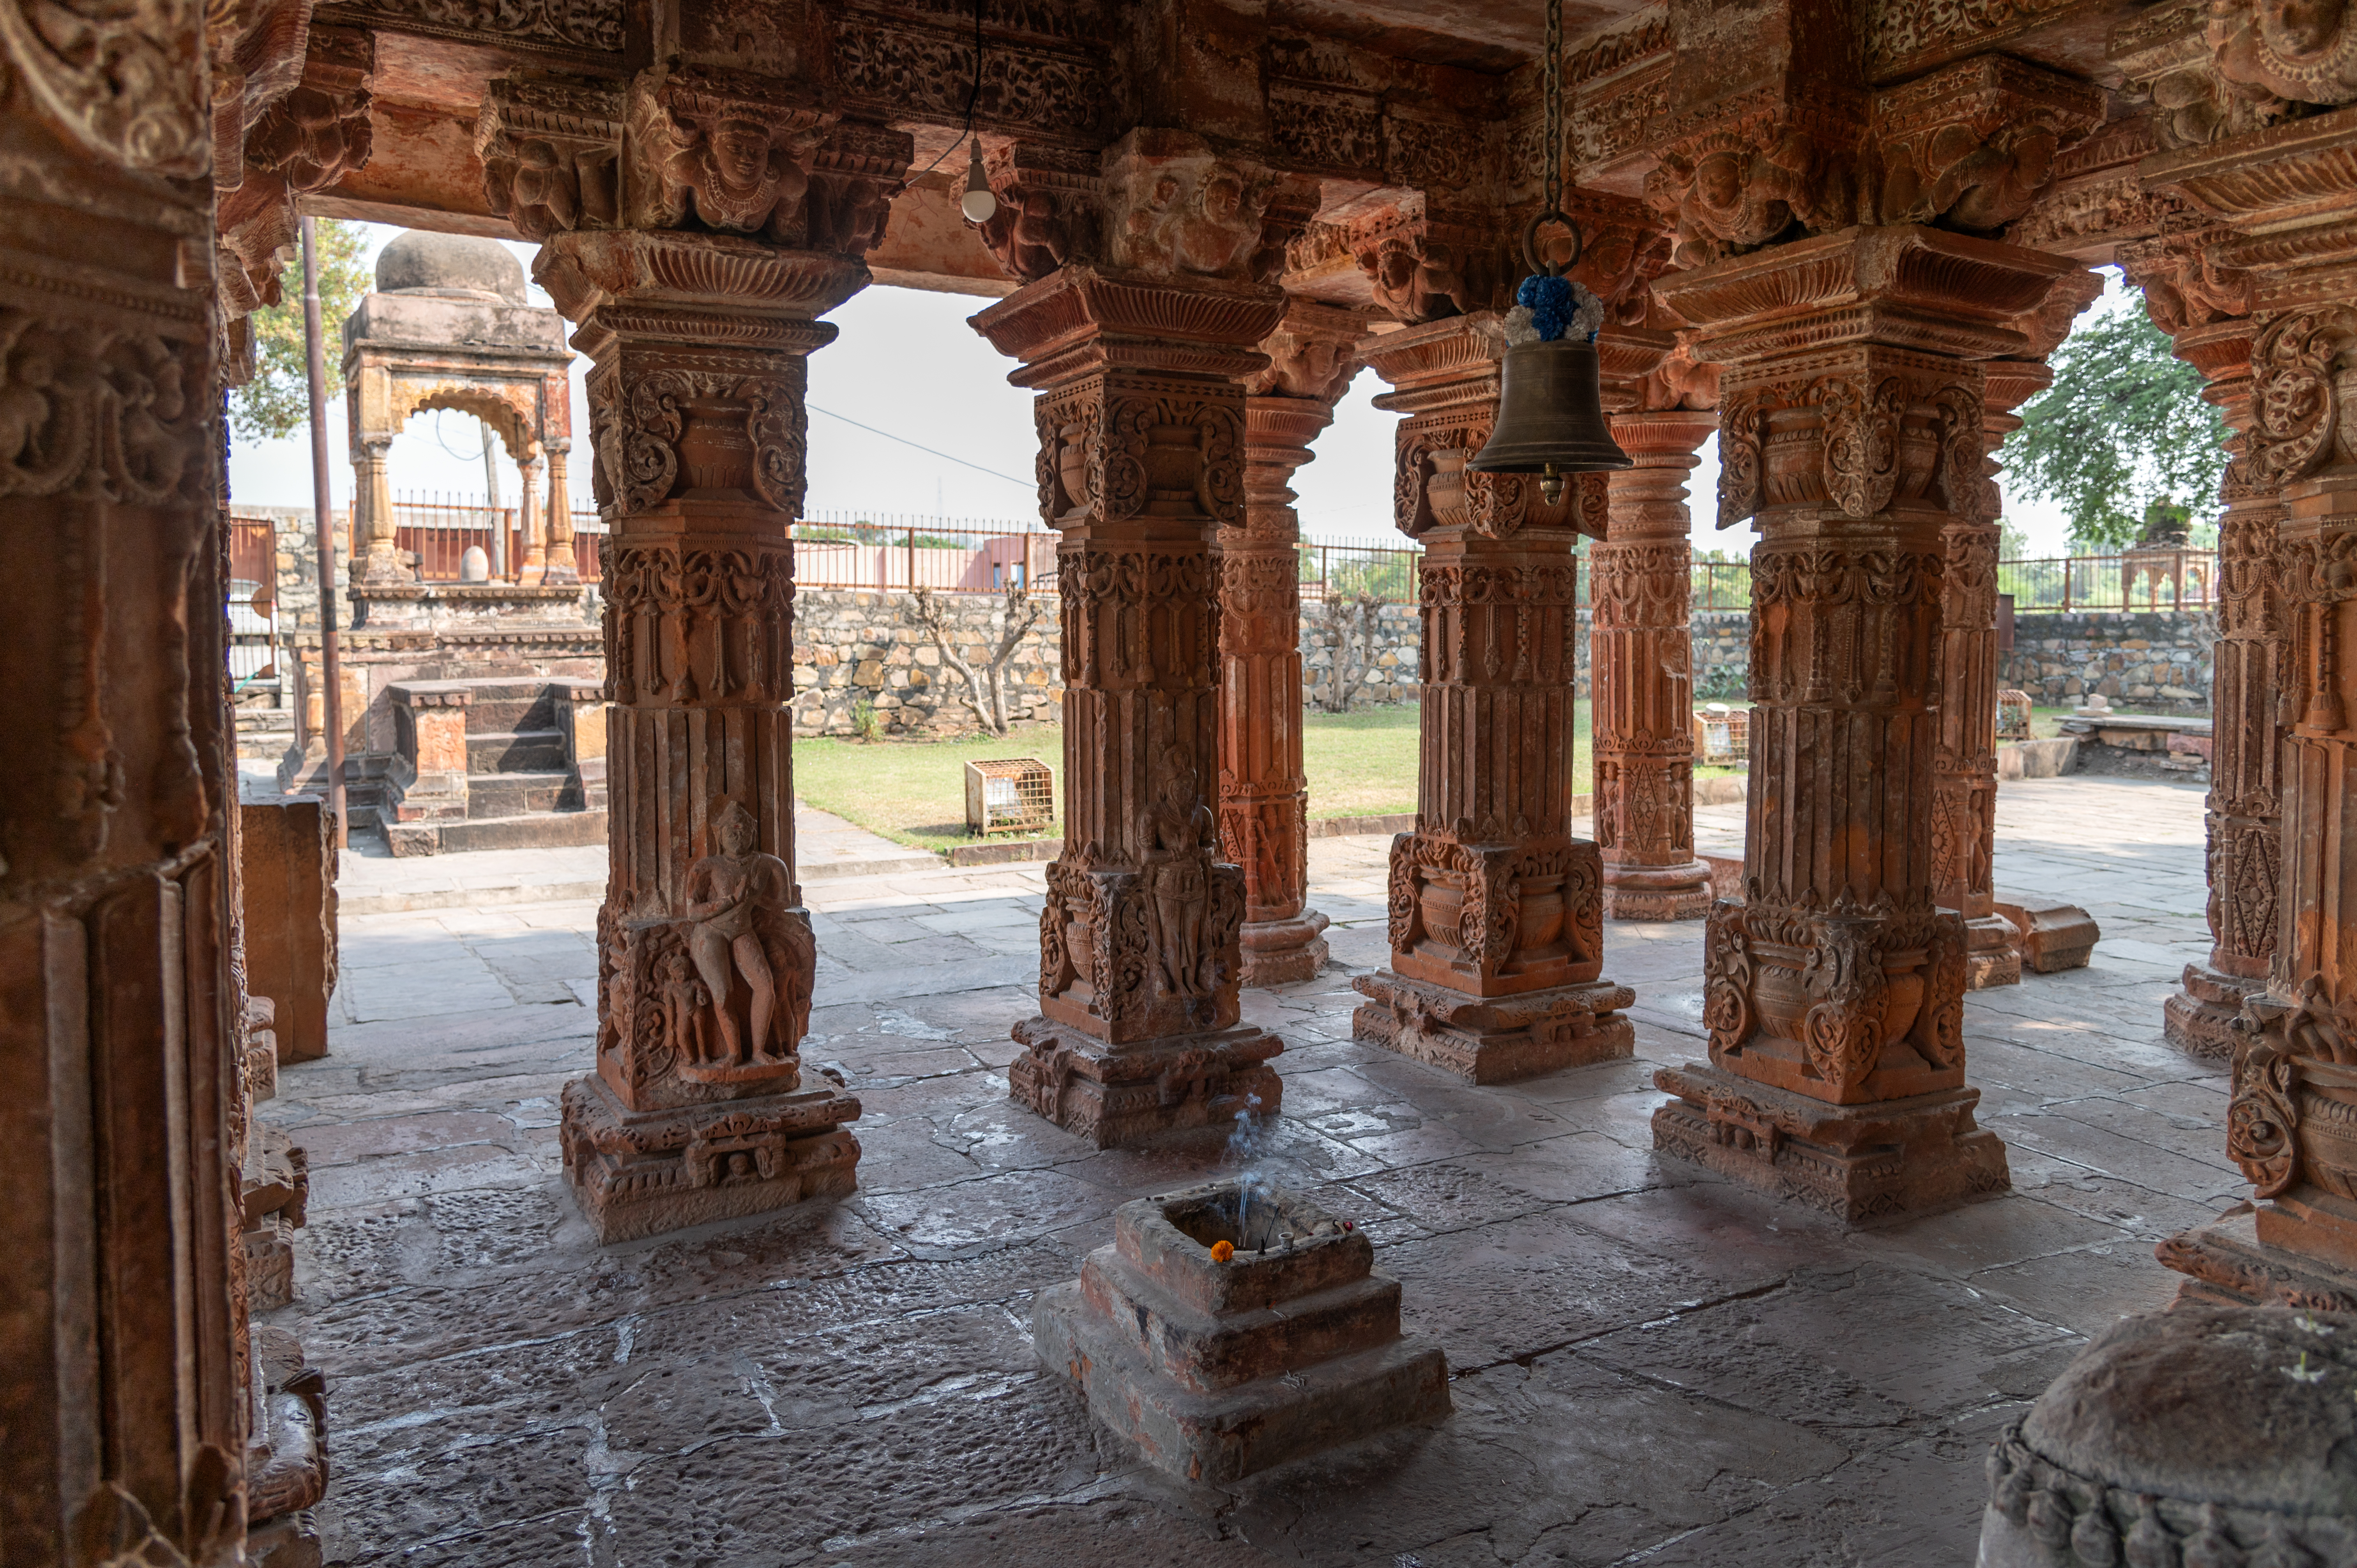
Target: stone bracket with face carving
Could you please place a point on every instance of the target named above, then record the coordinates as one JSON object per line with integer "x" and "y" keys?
{"x": 1750, "y": 174}
{"x": 726, "y": 150}
{"x": 1970, "y": 146}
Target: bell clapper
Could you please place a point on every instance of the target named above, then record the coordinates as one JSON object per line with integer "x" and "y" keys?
{"x": 1550, "y": 484}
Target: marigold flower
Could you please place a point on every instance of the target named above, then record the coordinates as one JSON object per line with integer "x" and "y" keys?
{"x": 1223, "y": 1250}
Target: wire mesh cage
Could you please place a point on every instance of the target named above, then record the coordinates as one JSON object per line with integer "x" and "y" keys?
{"x": 1722, "y": 735}
{"x": 2012, "y": 715}
{"x": 1009, "y": 794}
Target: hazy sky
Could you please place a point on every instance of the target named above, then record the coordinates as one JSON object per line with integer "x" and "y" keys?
{"x": 906, "y": 364}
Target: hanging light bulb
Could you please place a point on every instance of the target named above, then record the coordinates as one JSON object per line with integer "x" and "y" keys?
{"x": 1550, "y": 396}
{"x": 978, "y": 204}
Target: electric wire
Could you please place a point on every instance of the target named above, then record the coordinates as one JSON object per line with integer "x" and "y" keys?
{"x": 1027, "y": 484}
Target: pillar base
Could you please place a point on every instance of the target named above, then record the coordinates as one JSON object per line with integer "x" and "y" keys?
{"x": 1278, "y": 952}
{"x": 1992, "y": 953}
{"x": 641, "y": 1173}
{"x": 1119, "y": 1097}
{"x": 1495, "y": 1039}
{"x": 1657, "y": 892}
{"x": 1857, "y": 1163}
{"x": 2298, "y": 1250}
{"x": 2200, "y": 1019}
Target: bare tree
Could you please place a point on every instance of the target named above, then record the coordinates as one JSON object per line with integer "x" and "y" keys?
{"x": 986, "y": 689}
{"x": 1347, "y": 624}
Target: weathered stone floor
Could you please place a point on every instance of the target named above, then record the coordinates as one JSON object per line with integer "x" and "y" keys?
{"x": 1651, "y": 1364}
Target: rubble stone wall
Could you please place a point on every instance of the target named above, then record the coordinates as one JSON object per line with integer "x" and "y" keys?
{"x": 2151, "y": 662}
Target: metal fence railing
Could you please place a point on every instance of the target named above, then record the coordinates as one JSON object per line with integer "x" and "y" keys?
{"x": 947, "y": 554}
{"x": 436, "y": 533}
{"x": 2132, "y": 580}
{"x": 1387, "y": 573}
{"x": 253, "y": 601}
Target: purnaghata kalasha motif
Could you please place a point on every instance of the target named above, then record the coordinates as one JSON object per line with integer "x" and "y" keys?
{"x": 1110, "y": 454}
{"x": 2296, "y": 402}
{"x": 712, "y": 427}
{"x": 699, "y": 626}
{"x": 1486, "y": 906}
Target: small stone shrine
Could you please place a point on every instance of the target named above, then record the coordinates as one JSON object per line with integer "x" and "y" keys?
{"x": 1229, "y": 1329}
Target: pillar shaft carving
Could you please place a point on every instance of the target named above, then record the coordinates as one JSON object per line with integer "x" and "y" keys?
{"x": 2207, "y": 311}
{"x": 698, "y": 1110}
{"x": 1263, "y": 796}
{"x": 1496, "y": 909}
{"x": 1854, "y": 432}
{"x": 124, "y": 1348}
{"x": 1641, "y": 658}
{"x": 1141, "y": 412}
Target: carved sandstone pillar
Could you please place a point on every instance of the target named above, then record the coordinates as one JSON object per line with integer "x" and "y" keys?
{"x": 535, "y": 543}
{"x": 1640, "y": 669}
{"x": 1834, "y": 988}
{"x": 1264, "y": 798}
{"x": 1497, "y": 919}
{"x": 1964, "y": 784}
{"x": 698, "y": 1110}
{"x": 562, "y": 567}
{"x": 374, "y": 558}
{"x": 123, "y": 1323}
{"x": 1140, "y": 464}
{"x": 2206, "y": 311}
{"x": 2283, "y": 192}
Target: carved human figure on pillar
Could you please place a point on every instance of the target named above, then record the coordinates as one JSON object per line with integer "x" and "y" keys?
{"x": 731, "y": 897}
{"x": 1640, "y": 647}
{"x": 1140, "y": 366}
{"x": 1496, "y": 910}
{"x": 698, "y": 1110}
{"x": 1833, "y": 989}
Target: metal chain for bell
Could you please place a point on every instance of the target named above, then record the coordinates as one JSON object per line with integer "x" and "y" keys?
{"x": 1549, "y": 305}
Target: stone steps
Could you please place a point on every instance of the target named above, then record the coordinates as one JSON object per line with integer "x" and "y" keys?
{"x": 530, "y": 829}
{"x": 491, "y": 752}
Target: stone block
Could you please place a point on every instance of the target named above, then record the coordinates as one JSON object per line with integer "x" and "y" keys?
{"x": 2053, "y": 936}
{"x": 286, "y": 861}
{"x": 1219, "y": 1368}
{"x": 641, "y": 1173}
{"x": 1857, "y": 1163}
{"x": 1122, "y": 1096}
{"x": 1495, "y": 1039}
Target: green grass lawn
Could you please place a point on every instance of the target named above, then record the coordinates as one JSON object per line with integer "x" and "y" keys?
{"x": 913, "y": 792}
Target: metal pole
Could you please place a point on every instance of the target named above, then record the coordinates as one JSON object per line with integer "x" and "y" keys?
{"x": 330, "y": 656}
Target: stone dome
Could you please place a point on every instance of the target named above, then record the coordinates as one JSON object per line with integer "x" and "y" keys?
{"x": 459, "y": 265}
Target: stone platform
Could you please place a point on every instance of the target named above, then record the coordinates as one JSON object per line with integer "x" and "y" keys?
{"x": 1651, "y": 1363}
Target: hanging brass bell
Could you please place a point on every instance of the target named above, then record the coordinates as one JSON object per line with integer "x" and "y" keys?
{"x": 1550, "y": 417}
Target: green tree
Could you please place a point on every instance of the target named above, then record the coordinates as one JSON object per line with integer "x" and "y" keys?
{"x": 276, "y": 402}
{"x": 2122, "y": 427}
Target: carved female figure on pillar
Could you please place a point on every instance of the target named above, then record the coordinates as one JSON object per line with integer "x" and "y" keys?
{"x": 1183, "y": 833}
{"x": 728, "y": 894}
